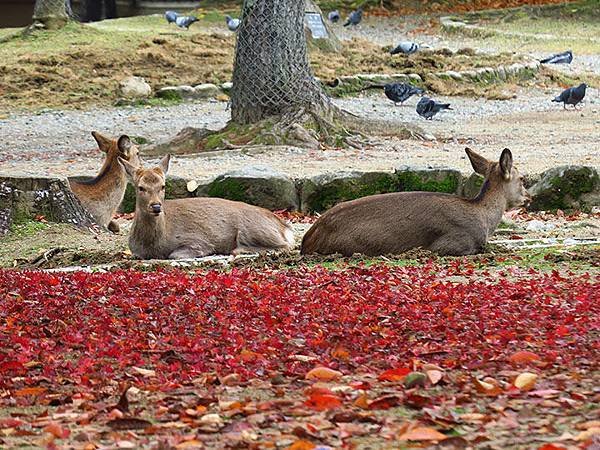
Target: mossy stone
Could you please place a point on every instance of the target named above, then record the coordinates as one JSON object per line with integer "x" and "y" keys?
{"x": 430, "y": 180}
{"x": 566, "y": 187}
{"x": 260, "y": 186}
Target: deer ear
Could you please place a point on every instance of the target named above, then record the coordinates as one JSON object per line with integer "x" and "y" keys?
{"x": 130, "y": 169}
{"x": 165, "y": 163}
{"x": 124, "y": 144}
{"x": 104, "y": 143}
{"x": 480, "y": 164}
{"x": 506, "y": 163}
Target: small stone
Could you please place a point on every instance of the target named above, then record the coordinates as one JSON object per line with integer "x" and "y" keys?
{"x": 205, "y": 91}
{"x": 414, "y": 379}
{"x": 134, "y": 87}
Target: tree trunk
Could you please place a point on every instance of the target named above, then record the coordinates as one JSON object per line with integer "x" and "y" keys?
{"x": 110, "y": 7}
{"x": 271, "y": 74}
{"x": 51, "y": 14}
{"x": 24, "y": 198}
{"x": 92, "y": 10}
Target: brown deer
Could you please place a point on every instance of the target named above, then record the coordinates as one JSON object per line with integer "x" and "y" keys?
{"x": 102, "y": 195}
{"x": 196, "y": 227}
{"x": 442, "y": 223}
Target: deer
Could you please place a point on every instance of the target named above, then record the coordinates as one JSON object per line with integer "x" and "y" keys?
{"x": 197, "y": 227}
{"x": 446, "y": 224}
{"x": 102, "y": 195}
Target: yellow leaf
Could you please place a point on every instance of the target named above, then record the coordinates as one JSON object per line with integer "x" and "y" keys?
{"x": 362, "y": 402}
{"x": 30, "y": 391}
{"x": 194, "y": 443}
{"x": 422, "y": 434}
{"x": 323, "y": 373}
{"x": 434, "y": 375}
{"x": 585, "y": 435}
{"x": 489, "y": 387}
{"x": 526, "y": 381}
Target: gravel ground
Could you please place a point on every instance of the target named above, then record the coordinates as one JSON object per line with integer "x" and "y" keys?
{"x": 541, "y": 134}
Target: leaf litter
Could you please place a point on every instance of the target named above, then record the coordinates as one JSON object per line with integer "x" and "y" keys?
{"x": 372, "y": 357}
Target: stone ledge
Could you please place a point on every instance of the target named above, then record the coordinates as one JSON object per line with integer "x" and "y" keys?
{"x": 565, "y": 187}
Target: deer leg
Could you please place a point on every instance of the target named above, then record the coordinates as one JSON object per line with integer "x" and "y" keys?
{"x": 455, "y": 245}
{"x": 113, "y": 227}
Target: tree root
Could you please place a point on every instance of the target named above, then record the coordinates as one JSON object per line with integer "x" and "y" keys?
{"x": 323, "y": 126}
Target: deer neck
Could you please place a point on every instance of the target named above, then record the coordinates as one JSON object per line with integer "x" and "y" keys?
{"x": 491, "y": 204}
{"x": 111, "y": 177}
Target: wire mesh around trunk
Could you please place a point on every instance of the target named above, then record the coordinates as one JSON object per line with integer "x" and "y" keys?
{"x": 271, "y": 73}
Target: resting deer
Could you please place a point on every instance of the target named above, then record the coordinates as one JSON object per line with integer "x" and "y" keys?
{"x": 196, "y": 227}
{"x": 102, "y": 195}
{"x": 442, "y": 223}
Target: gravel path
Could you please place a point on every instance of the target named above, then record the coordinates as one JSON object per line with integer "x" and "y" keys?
{"x": 541, "y": 134}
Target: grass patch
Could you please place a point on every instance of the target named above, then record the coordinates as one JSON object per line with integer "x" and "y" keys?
{"x": 81, "y": 65}
{"x": 28, "y": 228}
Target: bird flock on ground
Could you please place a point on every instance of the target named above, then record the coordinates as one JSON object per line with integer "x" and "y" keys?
{"x": 400, "y": 92}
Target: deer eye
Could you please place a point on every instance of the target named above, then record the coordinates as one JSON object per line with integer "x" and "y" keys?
{"x": 142, "y": 189}
{"x": 162, "y": 188}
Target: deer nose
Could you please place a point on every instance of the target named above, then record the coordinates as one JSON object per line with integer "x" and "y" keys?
{"x": 156, "y": 208}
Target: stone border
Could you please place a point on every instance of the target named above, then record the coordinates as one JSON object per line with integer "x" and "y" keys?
{"x": 564, "y": 187}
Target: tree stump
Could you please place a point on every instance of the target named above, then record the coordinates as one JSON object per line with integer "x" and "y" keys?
{"x": 24, "y": 198}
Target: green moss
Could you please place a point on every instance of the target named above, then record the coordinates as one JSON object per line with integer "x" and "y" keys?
{"x": 140, "y": 140}
{"x": 170, "y": 95}
{"x": 228, "y": 188}
{"x": 25, "y": 227}
{"x": 128, "y": 203}
{"x": 340, "y": 190}
{"x": 562, "y": 187}
{"x": 423, "y": 181}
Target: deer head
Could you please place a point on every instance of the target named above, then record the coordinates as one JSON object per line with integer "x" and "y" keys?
{"x": 149, "y": 186}
{"x": 501, "y": 175}
{"x": 122, "y": 148}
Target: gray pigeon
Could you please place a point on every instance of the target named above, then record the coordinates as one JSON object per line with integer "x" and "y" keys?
{"x": 355, "y": 17}
{"x": 400, "y": 92}
{"x": 408, "y": 48}
{"x": 559, "y": 58}
{"x": 428, "y": 108}
{"x": 232, "y": 24}
{"x": 571, "y": 96}
{"x": 171, "y": 16}
{"x": 185, "y": 21}
{"x": 334, "y": 16}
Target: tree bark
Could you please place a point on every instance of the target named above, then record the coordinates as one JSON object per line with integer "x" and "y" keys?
{"x": 271, "y": 74}
{"x": 92, "y": 10}
{"x": 51, "y": 14}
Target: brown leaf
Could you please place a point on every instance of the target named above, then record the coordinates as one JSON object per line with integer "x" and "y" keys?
{"x": 523, "y": 357}
{"x": 128, "y": 423}
{"x": 57, "y": 430}
{"x": 301, "y": 445}
{"x": 422, "y": 434}
{"x": 489, "y": 387}
{"x": 123, "y": 404}
{"x": 385, "y": 402}
{"x": 29, "y": 391}
{"x": 323, "y": 374}
{"x": 434, "y": 375}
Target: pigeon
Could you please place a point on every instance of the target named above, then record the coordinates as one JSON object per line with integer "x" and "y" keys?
{"x": 334, "y": 16}
{"x": 400, "y": 92}
{"x": 232, "y": 24}
{"x": 171, "y": 16}
{"x": 571, "y": 96}
{"x": 428, "y": 108}
{"x": 355, "y": 17}
{"x": 559, "y": 58}
{"x": 185, "y": 21}
{"x": 408, "y": 48}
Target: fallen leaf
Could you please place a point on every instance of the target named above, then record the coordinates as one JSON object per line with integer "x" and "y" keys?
{"x": 385, "y": 402}
{"x": 587, "y": 434}
{"x": 323, "y": 373}
{"x": 422, "y": 434}
{"x": 362, "y": 401}
{"x": 128, "y": 423}
{"x": 414, "y": 379}
{"x": 144, "y": 372}
{"x": 551, "y": 447}
{"x": 322, "y": 402}
{"x": 394, "y": 374}
{"x": 302, "y": 445}
{"x": 525, "y": 381}
{"x": 492, "y": 388}
{"x": 29, "y": 391}
{"x": 523, "y": 357}
{"x": 57, "y": 430}
{"x": 434, "y": 375}
{"x": 340, "y": 353}
{"x": 193, "y": 443}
